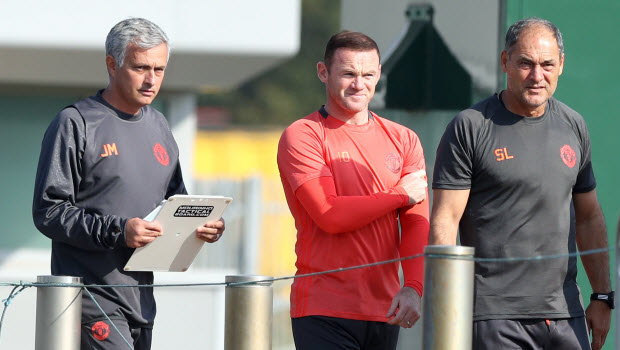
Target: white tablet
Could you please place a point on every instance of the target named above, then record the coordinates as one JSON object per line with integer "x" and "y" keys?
{"x": 179, "y": 217}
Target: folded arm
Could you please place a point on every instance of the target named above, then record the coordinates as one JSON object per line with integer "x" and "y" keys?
{"x": 338, "y": 214}
{"x": 406, "y": 305}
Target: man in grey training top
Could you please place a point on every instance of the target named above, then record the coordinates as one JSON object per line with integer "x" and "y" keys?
{"x": 513, "y": 174}
{"x": 106, "y": 161}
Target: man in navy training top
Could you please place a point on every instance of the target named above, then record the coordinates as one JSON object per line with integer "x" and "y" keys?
{"x": 106, "y": 161}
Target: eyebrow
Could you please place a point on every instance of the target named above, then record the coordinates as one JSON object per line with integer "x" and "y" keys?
{"x": 528, "y": 59}
{"x": 148, "y": 65}
{"x": 352, "y": 70}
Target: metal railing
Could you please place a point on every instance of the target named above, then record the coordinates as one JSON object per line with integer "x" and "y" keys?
{"x": 447, "y": 306}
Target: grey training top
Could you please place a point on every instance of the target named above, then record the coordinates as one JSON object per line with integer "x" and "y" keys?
{"x": 521, "y": 173}
{"x": 99, "y": 167}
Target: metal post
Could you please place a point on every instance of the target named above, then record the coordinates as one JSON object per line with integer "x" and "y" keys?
{"x": 448, "y": 298}
{"x": 59, "y": 314}
{"x": 249, "y": 313}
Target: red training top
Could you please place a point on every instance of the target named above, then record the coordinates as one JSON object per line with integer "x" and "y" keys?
{"x": 340, "y": 182}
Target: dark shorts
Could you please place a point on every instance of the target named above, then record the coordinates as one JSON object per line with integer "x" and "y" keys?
{"x": 101, "y": 335}
{"x": 331, "y": 333}
{"x": 559, "y": 334}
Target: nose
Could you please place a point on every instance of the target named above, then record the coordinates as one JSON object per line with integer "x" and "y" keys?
{"x": 150, "y": 77}
{"x": 358, "y": 82}
{"x": 537, "y": 73}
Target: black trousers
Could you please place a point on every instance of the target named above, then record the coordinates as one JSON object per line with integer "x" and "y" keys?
{"x": 331, "y": 333}
{"x": 101, "y": 335}
{"x": 536, "y": 334}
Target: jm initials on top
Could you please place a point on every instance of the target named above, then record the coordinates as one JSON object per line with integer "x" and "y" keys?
{"x": 109, "y": 149}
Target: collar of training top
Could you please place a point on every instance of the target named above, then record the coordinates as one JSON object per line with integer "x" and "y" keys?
{"x": 324, "y": 113}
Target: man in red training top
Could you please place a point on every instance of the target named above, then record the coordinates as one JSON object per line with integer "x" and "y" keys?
{"x": 349, "y": 176}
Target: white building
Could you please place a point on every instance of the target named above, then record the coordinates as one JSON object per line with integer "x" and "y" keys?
{"x": 52, "y": 53}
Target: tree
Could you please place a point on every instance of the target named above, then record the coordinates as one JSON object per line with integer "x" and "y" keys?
{"x": 291, "y": 90}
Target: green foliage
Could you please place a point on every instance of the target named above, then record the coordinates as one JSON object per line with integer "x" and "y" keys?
{"x": 291, "y": 90}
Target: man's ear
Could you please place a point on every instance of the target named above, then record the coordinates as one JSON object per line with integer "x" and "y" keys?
{"x": 321, "y": 71}
{"x": 503, "y": 59}
{"x": 110, "y": 63}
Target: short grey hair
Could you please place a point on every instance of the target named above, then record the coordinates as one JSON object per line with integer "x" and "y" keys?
{"x": 515, "y": 30}
{"x": 138, "y": 31}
